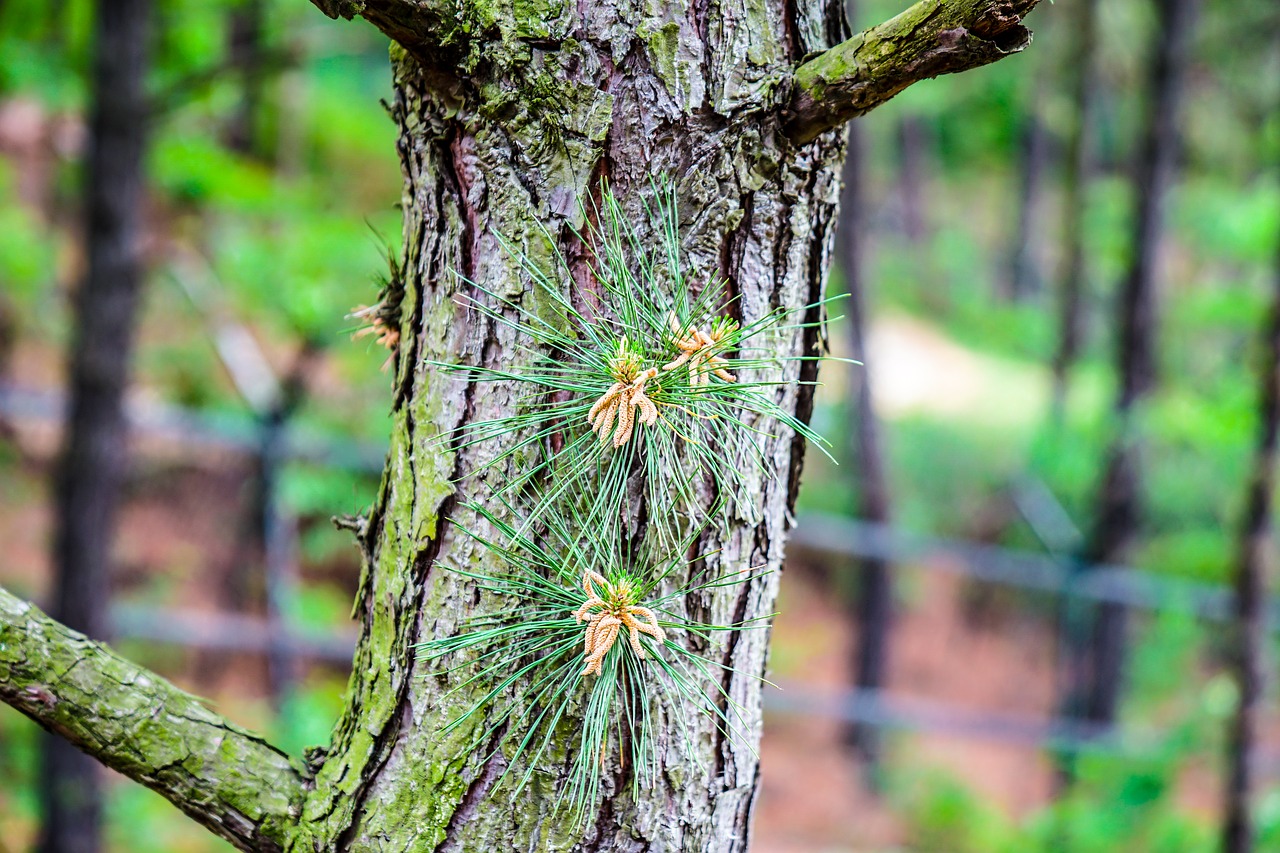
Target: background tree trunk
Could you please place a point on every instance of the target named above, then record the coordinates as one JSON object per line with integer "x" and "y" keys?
{"x": 247, "y": 54}
{"x": 497, "y": 156}
{"x": 875, "y": 591}
{"x": 1120, "y": 498}
{"x": 93, "y": 455}
{"x": 1072, "y": 286}
{"x": 914, "y": 166}
{"x": 1024, "y": 278}
{"x": 1248, "y": 637}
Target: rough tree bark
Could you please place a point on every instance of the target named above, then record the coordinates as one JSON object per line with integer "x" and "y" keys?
{"x": 1120, "y": 497}
{"x": 1248, "y": 636}
{"x": 507, "y": 118}
{"x": 93, "y": 454}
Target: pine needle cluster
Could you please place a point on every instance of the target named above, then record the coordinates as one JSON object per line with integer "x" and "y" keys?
{"x": 649, "y": 377}
{"x": 651, "y": 367}
{"x": 535, "y": 667}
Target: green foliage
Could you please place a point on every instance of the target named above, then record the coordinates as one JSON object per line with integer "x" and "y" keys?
{"x": 27, "y": 250}
{"x": 1120, "y": 801}
{"x": 18, "y": 762}
{"x": 133, "y": 807}
{"x": 945, "y": 816}
{"x": 42, "y": 53}
{"x": 310, "y": 712}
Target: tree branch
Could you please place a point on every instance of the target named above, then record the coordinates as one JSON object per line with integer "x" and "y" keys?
{"x": 931, "y": 38}
{"x": 230, "y": 780}
{"x": 428, "y": 29}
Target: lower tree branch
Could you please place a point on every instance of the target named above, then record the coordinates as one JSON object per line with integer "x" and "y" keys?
{"x": 228, "y": 779}
{"x": 931, "y": 38}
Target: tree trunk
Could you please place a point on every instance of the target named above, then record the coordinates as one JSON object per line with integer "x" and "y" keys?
{"x": 1072, "y": 287}
{"x": 246, "y": 53}
{"x": 875, "y": 592}
{"x": 1120, "y": 500}
{"x": 93, "y": 455}
{"x": 913, "y": 169}
{"x": 1024, "y": 276}
{"x": 755, "y": 211}
{"x": 1248, "y": 635}
{"x": 505, "y": 125}
{"x": 499, "y": 160}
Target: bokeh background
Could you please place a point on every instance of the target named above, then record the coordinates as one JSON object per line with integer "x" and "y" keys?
{"x": 937, "y": 643}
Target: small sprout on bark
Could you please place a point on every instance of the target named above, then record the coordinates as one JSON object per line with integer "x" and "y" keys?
{"x": 41, "y": 694}
{"x": 526, "y": 651}
{"x": 594, "y": 368}
{"x": 384, "y": 329}
{"x": 376, "y": 324}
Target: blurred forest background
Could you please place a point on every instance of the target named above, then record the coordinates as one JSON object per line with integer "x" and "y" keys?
{"x": 1008, "y": 622}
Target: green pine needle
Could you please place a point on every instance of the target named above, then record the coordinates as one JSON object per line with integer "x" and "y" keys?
{"x": 701, "y": 430}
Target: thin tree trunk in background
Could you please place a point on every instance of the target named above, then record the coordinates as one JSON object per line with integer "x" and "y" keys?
{"x": 911, "y": 177}
{"x": 1248, "y": 637}
{"x": 1072, "y": 286}
{"x": 92, "y": 460}
{"x": 8, "y": 335}
{"x": 8, "y": 342}
{"x": 247, "y": 52}
{"x": 875, "y": 598}
{"x": 1120, "y": 500}
{"x": 1024, "y": 276}
{"x": 278, "y": 530}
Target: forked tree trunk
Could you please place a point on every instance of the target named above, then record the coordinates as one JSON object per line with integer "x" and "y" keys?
{"x": 506, "y": 124}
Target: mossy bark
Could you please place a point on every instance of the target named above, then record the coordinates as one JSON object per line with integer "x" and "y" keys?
{"x": 138, "y": 724}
